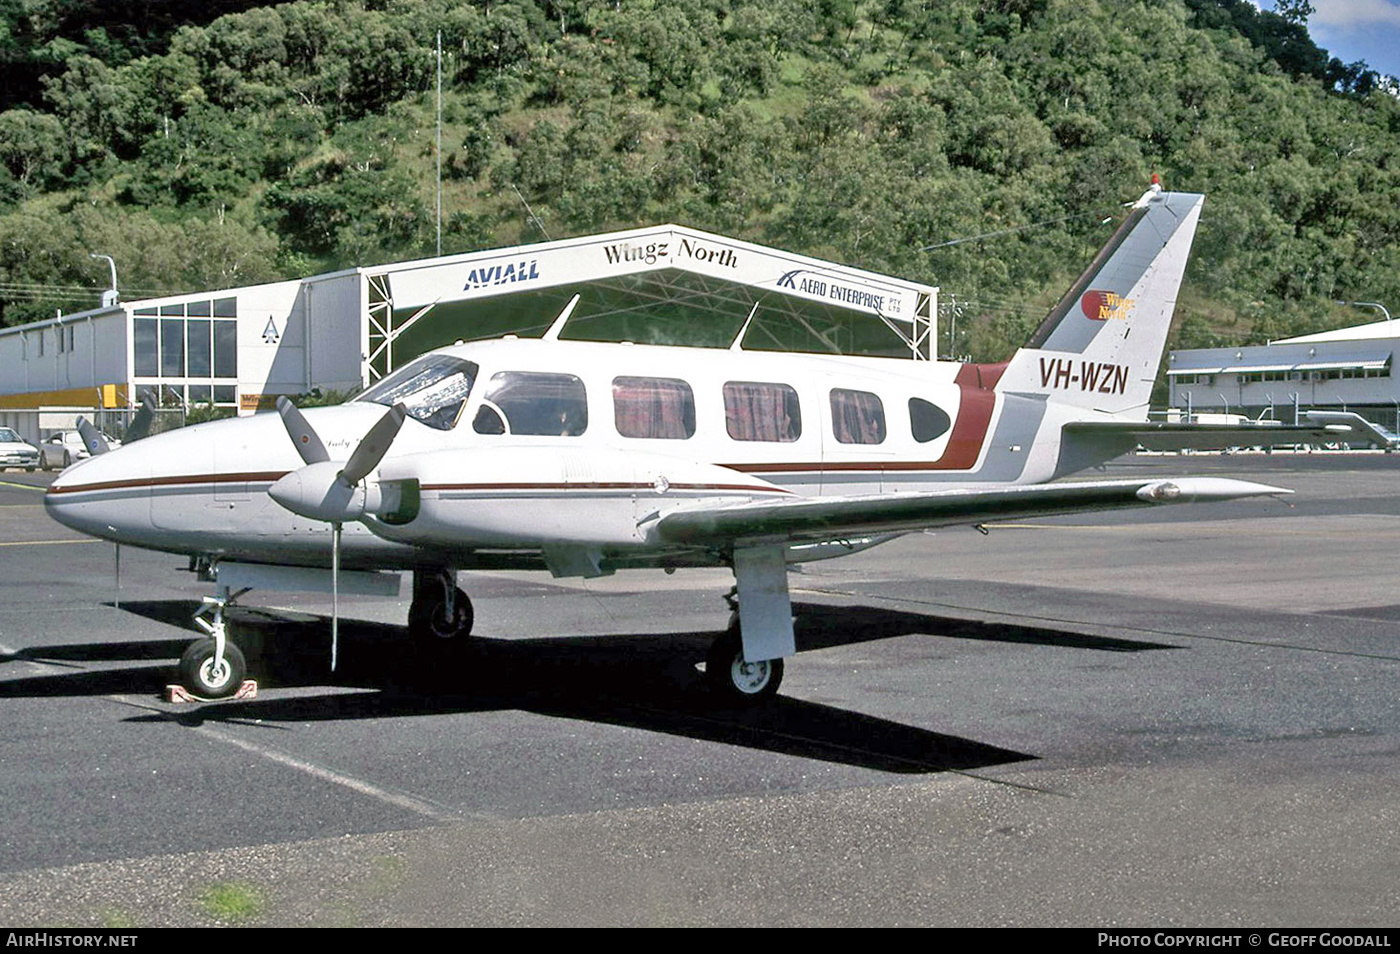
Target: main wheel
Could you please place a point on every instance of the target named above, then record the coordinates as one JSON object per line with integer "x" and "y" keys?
{"x": 428, "y": 620}
{"x": 202, "y": 678}
{"x": 736, "y": 680}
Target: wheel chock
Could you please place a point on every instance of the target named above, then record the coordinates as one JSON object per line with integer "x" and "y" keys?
{"x": 249, "y": 690}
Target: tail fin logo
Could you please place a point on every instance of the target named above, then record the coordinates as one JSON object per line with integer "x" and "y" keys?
{"x": 1106, "y": 306}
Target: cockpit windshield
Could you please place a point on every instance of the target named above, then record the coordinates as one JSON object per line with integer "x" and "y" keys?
{"x": 433, "y": 389}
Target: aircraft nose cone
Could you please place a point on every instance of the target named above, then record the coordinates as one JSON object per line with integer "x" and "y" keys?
{"x": 92, "y": 497}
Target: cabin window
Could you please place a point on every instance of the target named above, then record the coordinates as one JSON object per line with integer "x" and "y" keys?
{"x": 433, "y": 389}
{"x": 528, "y": 402}
{"x": 857, "y": 417}
{"x": 658, "y": 408}
{"x": 757, "y": 411}
{"x": 927, "y": 421}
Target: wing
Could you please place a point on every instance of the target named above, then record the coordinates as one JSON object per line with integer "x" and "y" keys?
{"x": 827, "y": 518}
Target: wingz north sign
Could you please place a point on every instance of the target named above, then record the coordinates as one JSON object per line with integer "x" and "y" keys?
{"x": 652, "y": 252}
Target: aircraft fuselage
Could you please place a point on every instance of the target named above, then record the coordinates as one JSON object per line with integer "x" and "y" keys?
{"x": 532, "y": 445}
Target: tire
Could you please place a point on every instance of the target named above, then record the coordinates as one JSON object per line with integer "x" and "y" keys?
{"x": 736, "y": 681}
{"x": 67, "y": 459}
{"x": 428, "y": 622}
{"x": 197, "y": 672}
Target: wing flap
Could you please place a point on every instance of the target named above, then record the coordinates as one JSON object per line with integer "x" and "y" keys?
{"x": 826, "y": 518}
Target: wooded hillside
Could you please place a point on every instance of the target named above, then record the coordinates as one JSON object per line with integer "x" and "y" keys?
{"x": 279, "y": 141}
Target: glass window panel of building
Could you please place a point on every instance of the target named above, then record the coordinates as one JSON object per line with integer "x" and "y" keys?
{"x": 188, "y": 346}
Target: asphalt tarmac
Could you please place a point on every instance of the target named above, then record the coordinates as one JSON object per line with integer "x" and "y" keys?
{"x": 1170, "y": 717}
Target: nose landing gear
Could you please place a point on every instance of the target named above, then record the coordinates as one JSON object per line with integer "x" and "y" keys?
{"x": 213, "y": 667}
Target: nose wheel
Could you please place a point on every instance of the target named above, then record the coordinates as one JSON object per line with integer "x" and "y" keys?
{"x": 206, "y": 674}
{"x": 213, "y": 667}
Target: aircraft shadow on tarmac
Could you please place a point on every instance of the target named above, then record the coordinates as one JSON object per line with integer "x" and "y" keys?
{"x": 647, "y": 681}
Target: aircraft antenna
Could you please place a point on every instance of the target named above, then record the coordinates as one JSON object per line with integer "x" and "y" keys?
{"x": 553, "y": 333}
{"x": 738, "y": 343}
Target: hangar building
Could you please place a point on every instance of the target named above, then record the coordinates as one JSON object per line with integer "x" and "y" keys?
{"x": 1349, "y": 369}
{"x": 241, "y": 347}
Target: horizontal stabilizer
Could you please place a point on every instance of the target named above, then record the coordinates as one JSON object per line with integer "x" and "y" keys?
{"x": 1165, "y": 436}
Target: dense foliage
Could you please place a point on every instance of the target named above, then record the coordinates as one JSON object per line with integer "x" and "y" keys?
{"x": 283, "y": 140}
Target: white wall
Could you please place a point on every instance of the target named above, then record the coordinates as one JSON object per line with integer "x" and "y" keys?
{"x": 271, "y": 339}
{"x": 98, "y": 354}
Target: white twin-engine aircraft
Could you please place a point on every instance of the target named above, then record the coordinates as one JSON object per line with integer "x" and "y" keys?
{"x": 584, "y": 458}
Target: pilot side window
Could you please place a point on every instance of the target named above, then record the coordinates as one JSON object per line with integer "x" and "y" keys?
{"x": 927, "y": 421}
{"x": 432, "y": 389}
{"x": 758, "y": 411}
{"x": 857, "y": 417}
{"x": 529, "y": 402}
{"x": 658, "y": 408}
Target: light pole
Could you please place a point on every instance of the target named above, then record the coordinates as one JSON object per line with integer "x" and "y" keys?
{"x": 109, "y": 297}
{"x": 1369, "y": 304}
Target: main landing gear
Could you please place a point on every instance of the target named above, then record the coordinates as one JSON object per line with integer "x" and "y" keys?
{"x": 736, "y": 680}
{"x": 440, "y": 611}
{"x": 745, "y": 665}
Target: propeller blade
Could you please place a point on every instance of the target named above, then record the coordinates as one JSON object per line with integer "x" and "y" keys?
{"x": 92, "y": 437}
{"x": 335, "y": 593}
{"x": 308, "y": 443}
{"x": 140, "y": 424}
{"x": 374, "y": 446}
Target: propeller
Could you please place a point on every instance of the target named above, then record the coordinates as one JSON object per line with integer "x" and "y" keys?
{"x": 92, "y": 438}
{"x": 329, "y": 490}
{"x": 140, "y": 424}
{"x": 96, "y": 443}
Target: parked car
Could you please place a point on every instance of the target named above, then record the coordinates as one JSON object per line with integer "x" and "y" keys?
{"x": 16, "y": 452}
{"x": 65, "y": 447}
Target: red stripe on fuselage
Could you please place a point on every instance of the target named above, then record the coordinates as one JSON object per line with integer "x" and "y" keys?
{"x": 254, "y": 478}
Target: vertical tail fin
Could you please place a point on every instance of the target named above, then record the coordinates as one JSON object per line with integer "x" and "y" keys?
{"x": 1101, "y": 346}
